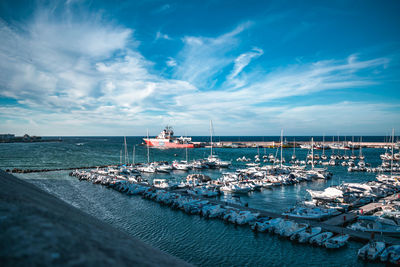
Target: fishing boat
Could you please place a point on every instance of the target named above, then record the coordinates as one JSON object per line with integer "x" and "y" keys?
{"x": 166, "y": 139}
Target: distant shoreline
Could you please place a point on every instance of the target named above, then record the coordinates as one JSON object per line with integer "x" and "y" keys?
{"x": 31, "y": 141}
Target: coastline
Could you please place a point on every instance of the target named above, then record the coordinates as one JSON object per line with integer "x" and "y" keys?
{"x": 40, "y": 229}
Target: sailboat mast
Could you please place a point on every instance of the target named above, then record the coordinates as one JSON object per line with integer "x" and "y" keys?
{"x": 391, "y": 161}
{"x": 211, "y": 136}
{"x": 294, "y": 147}
{"x": 125, "y": 150}
{"x": 133, "y": 155}
{"x": 281, "y": 145}
{"x": 148, "y": 151}
{"x": 312, "y": 152}
{"x": 323, "y": 144}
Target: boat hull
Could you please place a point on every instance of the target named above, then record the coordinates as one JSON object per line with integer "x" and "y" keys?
{"x": 166, "y": 144}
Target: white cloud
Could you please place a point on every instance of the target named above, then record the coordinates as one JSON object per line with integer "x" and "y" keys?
{"x": 243, "y": 60}
{"x": 160, "y": 35}
{"x": 171, "y": 62}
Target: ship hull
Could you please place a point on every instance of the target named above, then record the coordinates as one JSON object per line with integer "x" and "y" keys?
{"x": 166, "y": 144}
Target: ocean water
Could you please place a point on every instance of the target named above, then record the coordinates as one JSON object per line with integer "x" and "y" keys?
{"x": 197, "y": 240}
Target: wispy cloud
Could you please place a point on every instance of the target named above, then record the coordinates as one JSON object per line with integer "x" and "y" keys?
{"x": 160, "y": 35}
{"x": 202, "y": 58}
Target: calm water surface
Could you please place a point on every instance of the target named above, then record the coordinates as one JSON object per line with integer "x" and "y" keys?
{"x": 192, "y": 238}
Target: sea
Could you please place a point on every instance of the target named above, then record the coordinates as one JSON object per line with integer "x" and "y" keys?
{"x": 200, "y": 241}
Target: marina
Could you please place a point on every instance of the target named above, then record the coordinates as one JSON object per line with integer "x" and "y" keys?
{"x": 242, "y": 202}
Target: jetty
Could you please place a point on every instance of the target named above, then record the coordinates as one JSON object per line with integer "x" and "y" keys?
{"x": 276, "y": 144}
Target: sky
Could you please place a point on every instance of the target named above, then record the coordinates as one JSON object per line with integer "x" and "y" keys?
{"x": 115, "y": 68}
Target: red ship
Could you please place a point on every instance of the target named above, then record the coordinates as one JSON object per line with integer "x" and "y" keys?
{"x": 166, "y": 139}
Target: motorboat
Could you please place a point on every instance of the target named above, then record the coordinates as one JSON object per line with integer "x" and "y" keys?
{"x": 274, "y": 224}
{"x": 330, "y": 193}
{"x": 320, "y": 238}
{"x": 235, "y": 188}
{"x": 293, "y": 228}
{"x": 337, "y": 241}
{"x": 182, "y": 166}
{"x": 245, "y": 217}
{"x": 304, "y": 236}
{"x": 391, "y": 254}
{"x": 311, "y": 213}
{"x": 160, "y": 183}
{"x": 376, "y": 224}
{"x": 147, "y": 168}
{"x": 372, "y": 250}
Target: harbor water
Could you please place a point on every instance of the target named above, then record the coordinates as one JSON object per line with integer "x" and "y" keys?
{"x": 200, "y": 241}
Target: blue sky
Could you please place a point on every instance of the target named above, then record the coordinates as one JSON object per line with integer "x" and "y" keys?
{"x": 253, "y": 67}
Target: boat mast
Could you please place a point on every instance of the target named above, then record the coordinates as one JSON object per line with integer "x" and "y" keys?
{"x": 120, "y": 157}
{"x": 211, "y": 141}
{"x": 148, "y": 151}
{"x": 294, "y": 147}
{"x": 360, "y": 154}
{"x": 281, "y": 145}
{"x": 391, "y": 161}
{"x": 312, "y": 153}
{"x": 133, "y": 155}
{"x": 186, "y": 150}
{"x": 323, "y": 144}
{"x": 126, "y": 150}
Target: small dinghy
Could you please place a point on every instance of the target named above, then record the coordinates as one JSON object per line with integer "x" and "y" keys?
{"x": 320, "y": 238}
{"x": 391, "y": 254}
{"x": 337, "y": 241}
{"x": 304, "y": 236}
{"x": 372, "y": 250}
